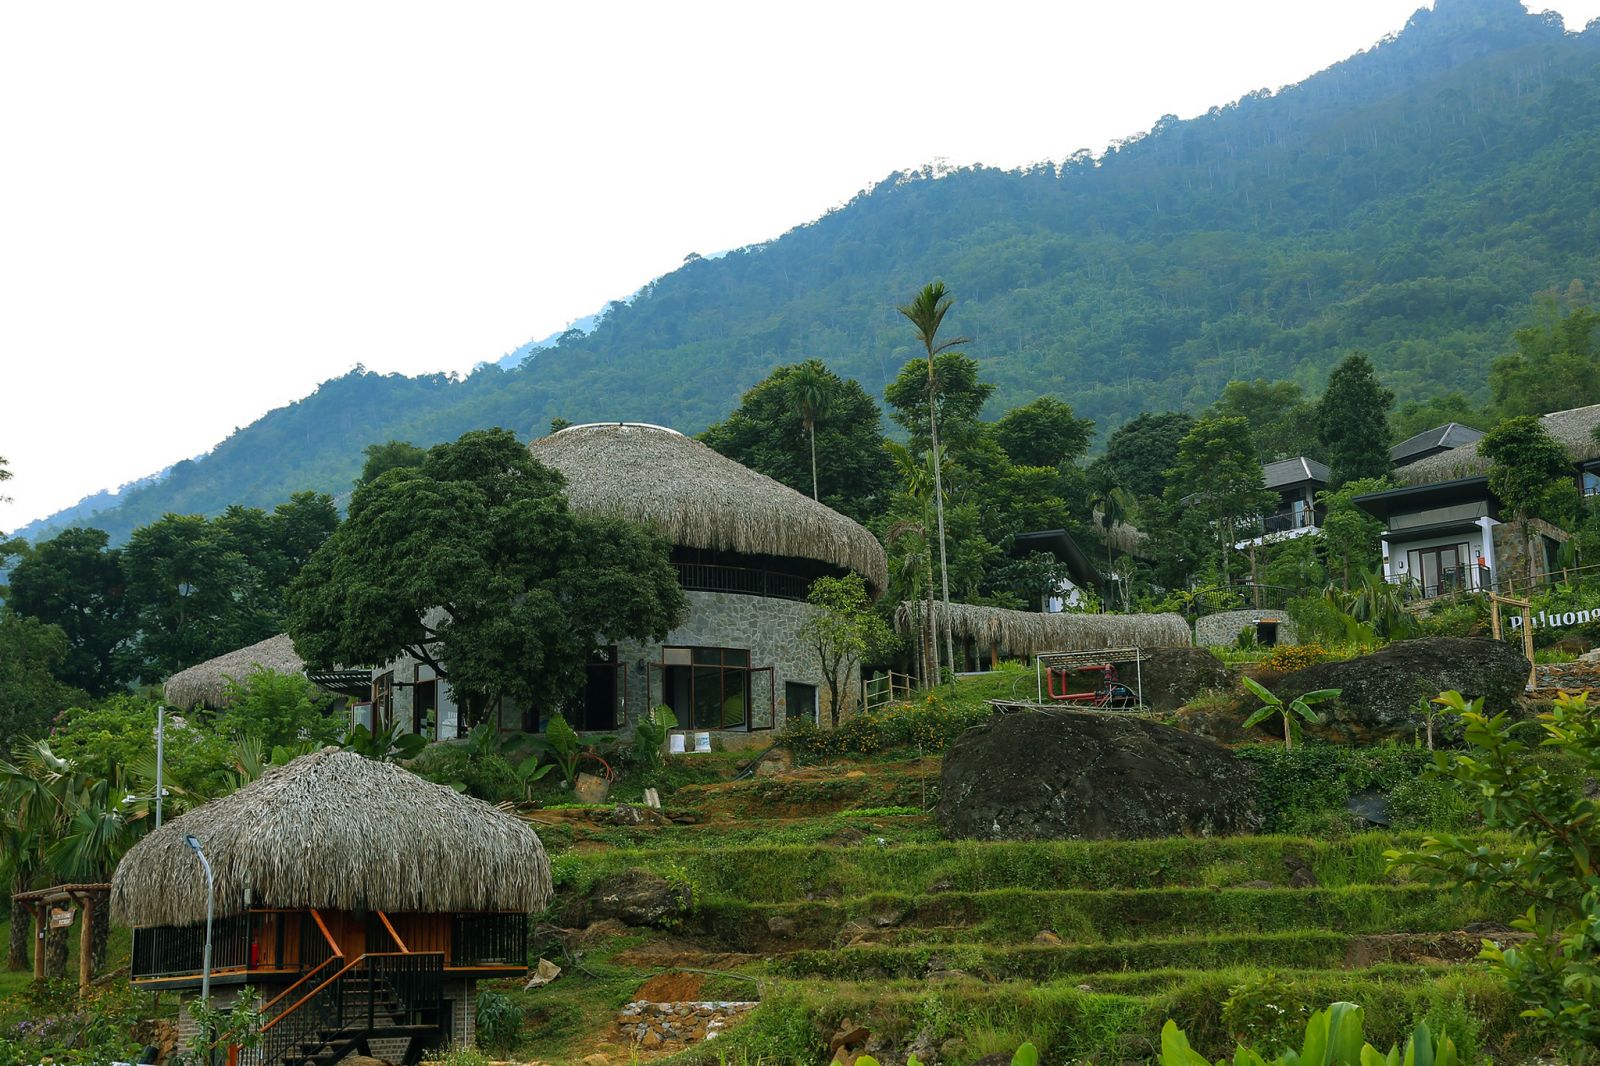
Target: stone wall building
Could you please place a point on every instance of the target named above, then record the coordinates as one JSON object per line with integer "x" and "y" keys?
{"x": 747, "y": 550}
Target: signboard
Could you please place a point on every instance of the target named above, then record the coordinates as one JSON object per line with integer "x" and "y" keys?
{"x": 1561, "y": 620}
{"x": 61, "y": 917}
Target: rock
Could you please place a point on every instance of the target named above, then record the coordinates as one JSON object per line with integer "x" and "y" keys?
{"x": 949, "y": 975}
{"x": 1254, "y": 884}
{"x": 1221, "y": 724}
{"x": 639, "y": 897}
{"x": 366, "y": 1060}
{"x": 780, "y": 926}
{"x": 1060, "y": 774}
{"x": 596, "y": 1059}
{"x": 1173, "y": 676}
{"x": 774, "y": 762}
{"x": 1046, "y": 936}
{"x": 849, "y": 1035}
{"x": 924, "y": 1048}
{"x": 1300, "y": 875}
{"x": 652, "y": 1039}
{"x": 1369, "y": 806}
{"x": 1379, "y": 693}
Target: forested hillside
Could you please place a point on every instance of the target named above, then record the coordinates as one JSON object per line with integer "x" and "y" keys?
{"x": 1407, "y": 202}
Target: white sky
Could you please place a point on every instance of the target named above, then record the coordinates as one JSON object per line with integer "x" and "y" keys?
{"x": 206, "y": 209}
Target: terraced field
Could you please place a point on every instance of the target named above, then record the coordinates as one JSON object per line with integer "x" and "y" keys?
{"x": 839, "y": 920}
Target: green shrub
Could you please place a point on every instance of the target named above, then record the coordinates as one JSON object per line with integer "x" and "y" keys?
{"x": 499, "y": 1021}
{"x": 279, "y": 710}
{"x": 1332, "y": 1038}
{"x": 929, "y": 726}
{"x": 488, "y": 776}
{"x": 1548, "y": 859}
{"x": 1304, "y": 790}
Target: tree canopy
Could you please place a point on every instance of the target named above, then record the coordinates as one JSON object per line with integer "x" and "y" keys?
{"x": 767, "y": 433}
{"x": 1353, "y": 421}
{"x": 474, "y": 564}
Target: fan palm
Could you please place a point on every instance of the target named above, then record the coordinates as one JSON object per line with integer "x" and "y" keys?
{"x": 926, "y": 314}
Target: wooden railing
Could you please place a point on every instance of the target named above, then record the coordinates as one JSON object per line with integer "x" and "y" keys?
{"x": 375, "y": 991}
{"x": 489, "y": 940}
{"x": 318, "y": 944}
{"x": 885, "y": 688}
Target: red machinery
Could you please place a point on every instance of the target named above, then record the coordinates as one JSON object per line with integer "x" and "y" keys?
{"x": 1108, "y": 691}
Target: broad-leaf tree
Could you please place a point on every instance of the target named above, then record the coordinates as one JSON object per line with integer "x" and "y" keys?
{"x": 1043, "y": 432}
{"x": 32, "y": 655}
{"x": 1218, "y": 475}
{"x": 473, "y": 564}
{"x": 390, "y": 455}
{"x": 768, "y": 434}
{"x": 844, "y": 631}
{"x": 1141, "y": 451}
{"x": 75, "y": 582}
{"x": 1350, "y": 534}
{"x": 1530, "y": 473}
{"x": 1353, "y": 421}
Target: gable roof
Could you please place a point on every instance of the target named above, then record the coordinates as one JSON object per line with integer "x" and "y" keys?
{"x": 1296, "y": 471}
{"x": 1572, "y": 429}
{"x": 1439, "y": 438}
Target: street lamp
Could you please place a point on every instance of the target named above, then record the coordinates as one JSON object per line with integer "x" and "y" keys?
{"x": 160, "y": 793}
{"x": 211, "y": 902}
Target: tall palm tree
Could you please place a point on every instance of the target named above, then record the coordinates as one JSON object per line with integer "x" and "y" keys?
{"x": 926, "y": 314}
{"x": 1109, "y": 500}
{"x": 918, "y": 487}
{"x": 811, "y": 389}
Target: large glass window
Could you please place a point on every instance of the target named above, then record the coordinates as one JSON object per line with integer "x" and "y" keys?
{"x": 707, "y": 688}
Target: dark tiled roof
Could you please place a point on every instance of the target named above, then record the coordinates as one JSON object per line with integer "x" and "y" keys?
{"x": 1296, "y": 471}
{"x": 1439, "y": 438}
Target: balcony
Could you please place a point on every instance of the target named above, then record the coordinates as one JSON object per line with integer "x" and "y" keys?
{"x": 749, "y": 581}
{"x": 488, "y": 941}
{"x": 260, "y": 942}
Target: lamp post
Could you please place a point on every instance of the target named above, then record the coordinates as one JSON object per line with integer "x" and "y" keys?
{"x": 211, "y": 903}
{"x": 161, "y": 792}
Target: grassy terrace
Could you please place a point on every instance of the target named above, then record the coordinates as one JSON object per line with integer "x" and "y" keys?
{"x": 839, "y": 906}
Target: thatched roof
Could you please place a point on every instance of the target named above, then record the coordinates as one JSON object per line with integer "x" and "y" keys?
{"x": 1573, "y": 430}
{"x": 205, "y": 682}
{"x": 338, "y": 831}
{"x": 699, "y": 498}
{"x": 1029, "y": 633}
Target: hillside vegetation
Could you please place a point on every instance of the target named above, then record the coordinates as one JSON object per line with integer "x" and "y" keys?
{"x": 1408, "y": 202}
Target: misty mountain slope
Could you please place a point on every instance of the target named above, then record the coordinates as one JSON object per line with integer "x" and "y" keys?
{"x": 1406, "y": 201}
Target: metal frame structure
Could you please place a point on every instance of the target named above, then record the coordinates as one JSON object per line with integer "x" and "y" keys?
{"x": 1066, "y": 660}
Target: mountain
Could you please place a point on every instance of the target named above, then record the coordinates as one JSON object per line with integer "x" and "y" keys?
{"x": 1407, "y": 201}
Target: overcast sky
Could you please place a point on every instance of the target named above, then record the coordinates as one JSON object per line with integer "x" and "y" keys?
{"x": 206, "y": 209}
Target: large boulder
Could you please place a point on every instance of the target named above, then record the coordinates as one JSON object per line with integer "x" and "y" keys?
{"x": 1060, "y": 774}
{"x": 1171, "y": 677}
{"x": 639, "y": 897}
{"x": 1381, "y": 695}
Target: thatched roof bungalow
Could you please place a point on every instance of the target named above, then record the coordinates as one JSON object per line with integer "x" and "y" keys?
{"x": 206, "y": 684}
{"x": 336, "y": 868}
{"x": 1028, "y": 633}
{"x": 747, "y": 550}
{"x": 1573, "y": 430}
{"x": 697, "y": 497}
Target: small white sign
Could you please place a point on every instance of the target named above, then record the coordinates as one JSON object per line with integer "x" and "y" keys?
{"x": 702, "y": 743}
{"x": 675, "y": 744}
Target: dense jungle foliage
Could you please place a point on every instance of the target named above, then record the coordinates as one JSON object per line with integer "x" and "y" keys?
{"x": 1407, "y": 202}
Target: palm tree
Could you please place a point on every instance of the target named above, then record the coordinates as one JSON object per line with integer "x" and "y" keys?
{"x": 926, "y": 313}
{"x": 811, "y": 388}
{"x": 1109, "y": 500}
{"x": 919, "y": 487}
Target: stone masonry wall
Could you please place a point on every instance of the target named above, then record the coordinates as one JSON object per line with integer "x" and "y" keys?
{"x": 1222, "y": 629}
{"x": 769, "y": 627}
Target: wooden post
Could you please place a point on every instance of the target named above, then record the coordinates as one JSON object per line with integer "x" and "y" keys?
{"x": 39, "y": 910}
{"x": 1495, "y": 600}
{"x": 86, "y": 945}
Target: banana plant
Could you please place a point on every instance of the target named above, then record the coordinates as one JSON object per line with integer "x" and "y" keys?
{"x": 1332, "y": 1038}
{"x": 1293, "y": 712}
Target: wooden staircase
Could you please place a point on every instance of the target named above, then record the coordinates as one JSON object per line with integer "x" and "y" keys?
{"x": 341, "y": 1006}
